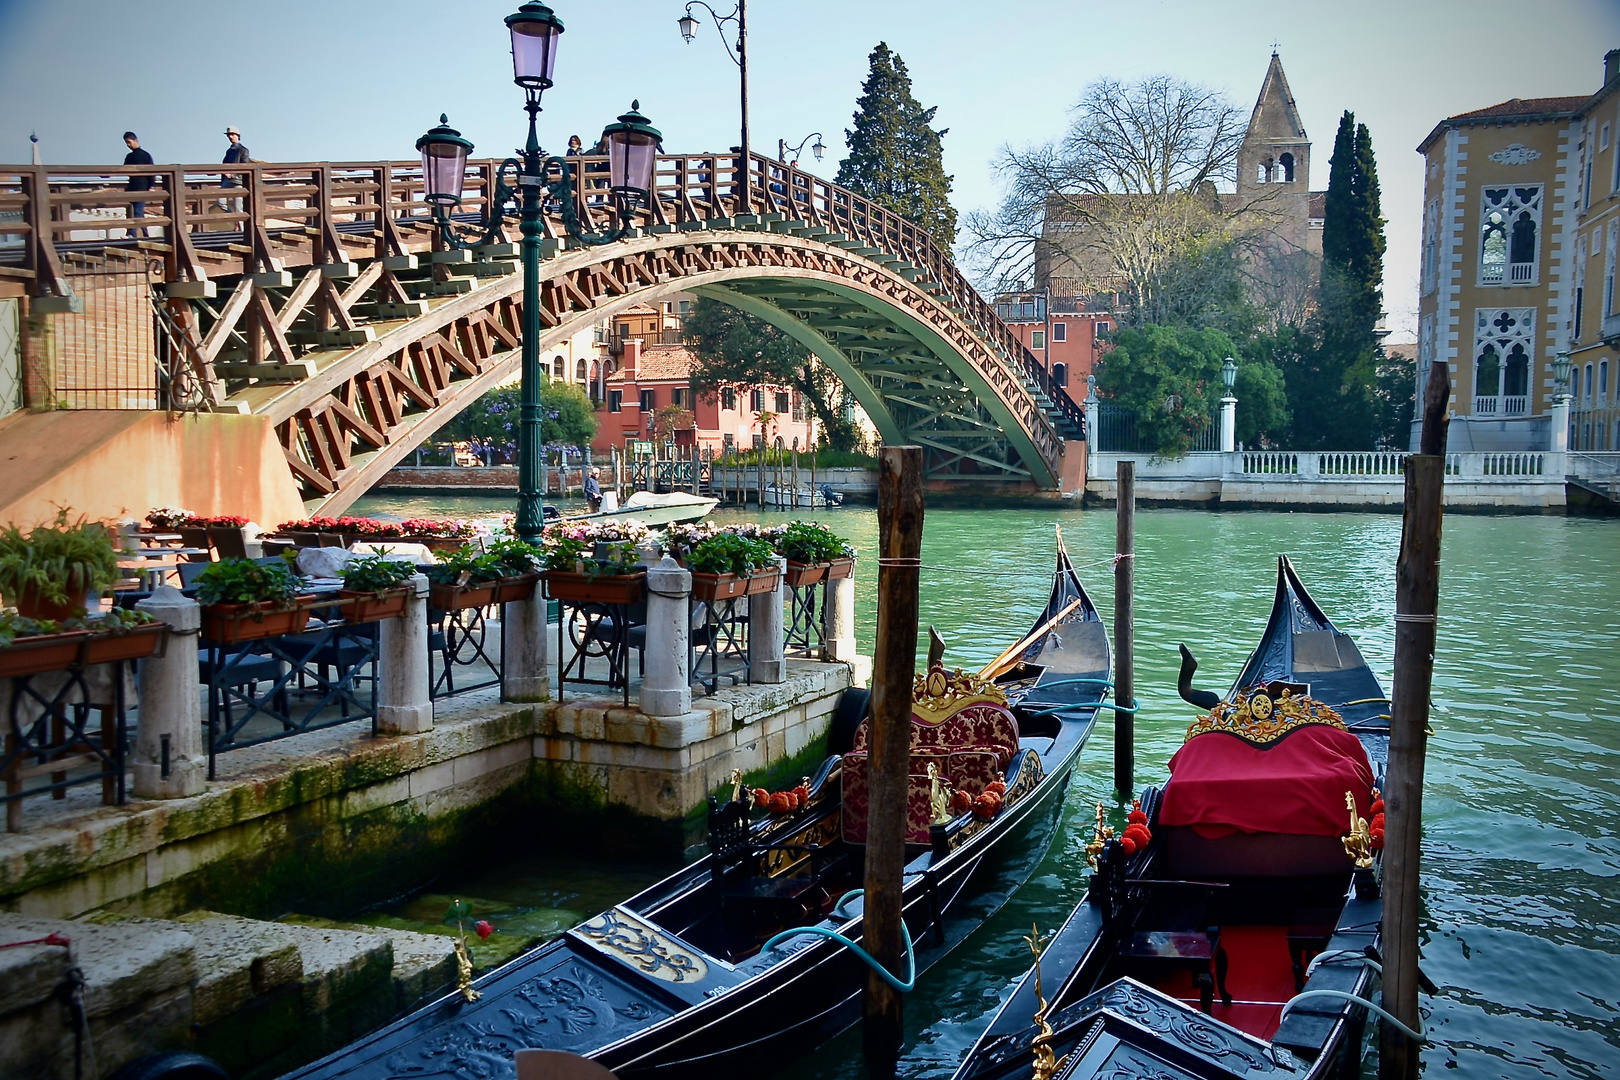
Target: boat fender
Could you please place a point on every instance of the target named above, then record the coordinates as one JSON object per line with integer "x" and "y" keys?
{"x": 846, "y": 718}
{"x": 1202, "y": 699}
{"x": 172, "y": 1065}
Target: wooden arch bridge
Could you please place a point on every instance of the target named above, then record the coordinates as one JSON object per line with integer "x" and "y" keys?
{"x": 319, "y": 296}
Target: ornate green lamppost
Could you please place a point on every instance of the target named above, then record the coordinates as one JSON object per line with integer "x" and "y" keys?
{"x": 633, "y": 146}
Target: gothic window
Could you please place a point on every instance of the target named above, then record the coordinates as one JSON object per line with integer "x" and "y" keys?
{"x": 1287, "y": 163}
{"x": 1509, "y": 230}
{"x": 1425, "y": 352}
{"x": 1266, "y": 169}
{"x": 1060, "y": 374}
{"x": 580, "y": 369}
{"x": 1431, "y": 247}
{"x": 558, "y": 367}
{"x": 1504, "y": 340}
{"x": 1603, "y": 378}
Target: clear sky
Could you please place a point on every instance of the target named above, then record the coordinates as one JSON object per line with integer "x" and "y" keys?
{"x": 361, "y": 79}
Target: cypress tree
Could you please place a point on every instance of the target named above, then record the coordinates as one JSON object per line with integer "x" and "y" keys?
{"x": 895, "y": 155}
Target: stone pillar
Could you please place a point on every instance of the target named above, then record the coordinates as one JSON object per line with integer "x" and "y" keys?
{"x": 1228, "y": 424}
{"x": 1093, "y": 412}
{"x": 666, "y": 690}
{"x": 404, "y": 689}
{"x": 765, "y": 645}
{"x": 1559, "y": 418}
{"x": 525, "y": 663}
{"x": 171, "y": 704}
{"x": 838, "y": 621}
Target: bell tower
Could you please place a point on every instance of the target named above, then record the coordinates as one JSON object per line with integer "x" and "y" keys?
{"x": 1275, "y": 157}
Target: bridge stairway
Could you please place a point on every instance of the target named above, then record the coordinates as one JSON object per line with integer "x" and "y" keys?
{"x": 1596, "y": 494}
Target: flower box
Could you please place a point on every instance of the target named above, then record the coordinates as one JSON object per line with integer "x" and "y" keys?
{"x": 458, "y": 597}
{"x": 840, "y": 568}
{"x": 710, "y": 588}
{"x": 42, "y": 652}
{"x": 801, "y": 574}
{"x": 136, "y": 643}
{"x": 437, "y": 543}
{"x": 595, "y": 588}
{"x": 361, "y": 606}
{"x": 227, "y": 624}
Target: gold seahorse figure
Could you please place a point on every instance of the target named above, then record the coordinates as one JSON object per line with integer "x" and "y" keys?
{"x": 1046, "y": 1062}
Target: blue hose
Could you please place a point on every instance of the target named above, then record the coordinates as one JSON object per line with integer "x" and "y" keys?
{"x": 833, "y": 935}
{"x": 1079, "y": 706}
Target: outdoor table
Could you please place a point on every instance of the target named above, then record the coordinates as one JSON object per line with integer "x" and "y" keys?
{"x": 153, "y": 566}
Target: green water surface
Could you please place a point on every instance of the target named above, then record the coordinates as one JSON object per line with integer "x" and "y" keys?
{"x": 1521, "y": 872}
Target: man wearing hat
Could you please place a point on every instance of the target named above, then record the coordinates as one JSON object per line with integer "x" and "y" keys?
{"x": 235, "y": 154}
{"x": 137, "y": 156}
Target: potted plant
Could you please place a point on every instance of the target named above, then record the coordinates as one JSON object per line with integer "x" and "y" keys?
{"x": 732, "y": 564}
{"x": 682, "y": 536}
{"x": 48, "y": 572}
{"x": 594, "y": 563}
{"x": 465, "y": 578}
{"x": 122, "y": 634}
{"x": 811, "y": 549}
{"x": 375, "y": 585}
{"x": 243, "y": 600}
{"x": 520, "y": 565}
{"x": 436, "y": 536}
{"x": 31, "y": 646}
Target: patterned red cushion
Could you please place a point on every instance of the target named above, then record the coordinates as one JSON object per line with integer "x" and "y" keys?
{"x": 855, "y": 798}
{"x": 919, "y": 809}
{"x": 974, "y": 770}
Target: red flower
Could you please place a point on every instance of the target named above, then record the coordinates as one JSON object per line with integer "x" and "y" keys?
{"x": 483, "y": 929}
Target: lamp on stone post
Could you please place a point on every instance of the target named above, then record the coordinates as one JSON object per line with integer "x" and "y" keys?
{"x": 522, "y": 189}
{"x": 1558, "y": 418}
{"x": 1228, "y": 407}
{"x": 1093, "y": 423}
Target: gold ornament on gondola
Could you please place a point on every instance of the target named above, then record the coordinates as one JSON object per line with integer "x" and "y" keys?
{"x": 1099, "y": 840}
{"x": 1046, "y": 1062}
{"x": 1359, "y": 843}
{"x": 938, "y": 694}
{"x": 939, "y": 796}
{"x": 1258, "y": 716}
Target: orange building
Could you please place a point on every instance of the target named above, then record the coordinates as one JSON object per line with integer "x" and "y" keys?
{"x": 651, "y": 378}
{"x": 1065, "y": 339}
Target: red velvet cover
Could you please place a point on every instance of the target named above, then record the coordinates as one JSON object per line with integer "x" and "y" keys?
{"x": 1221, "y": 783}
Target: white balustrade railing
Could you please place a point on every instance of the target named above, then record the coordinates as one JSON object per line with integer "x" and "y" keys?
{"x": 1512, "y": 464}
{"x": 1359, "y": 463}
{"x": 1270, "y": 462}
{"x": 1522, "y": 273}
{"x": 1485, "y": 406}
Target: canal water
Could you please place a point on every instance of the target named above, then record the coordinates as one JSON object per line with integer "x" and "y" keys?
{"x": 1521, "y": 848}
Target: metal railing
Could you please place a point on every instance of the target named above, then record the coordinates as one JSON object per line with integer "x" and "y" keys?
{"x": 1117, "y": 433}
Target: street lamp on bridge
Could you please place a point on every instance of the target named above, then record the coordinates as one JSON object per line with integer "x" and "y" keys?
{"x": 632, "y": 152}
{"x": 739, "y": 15}
{"x": 817, "y": 148}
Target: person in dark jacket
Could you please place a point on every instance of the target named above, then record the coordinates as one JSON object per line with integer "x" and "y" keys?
{"x": 137, "y": 156}
{"x": 235, "y": 154}
{"x": 593, "y": 490}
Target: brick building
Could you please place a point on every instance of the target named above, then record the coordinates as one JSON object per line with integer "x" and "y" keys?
{"x": 1067, "y": 341}
{"x": 651, "y": 377}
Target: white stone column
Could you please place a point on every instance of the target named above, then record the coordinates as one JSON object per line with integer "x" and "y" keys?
{"x": 404, "y": 694}
{"x": 838, "y": 620}
{"x": 666, "y": 689}
{"x": 525, "y": 671}
{"x": 1228, "y": 424}
{"x": 1559, "y": 418}
{"x": 1093, "y": 413}
{"x": 765, "y": 646}
{"x": 171, "y": 761}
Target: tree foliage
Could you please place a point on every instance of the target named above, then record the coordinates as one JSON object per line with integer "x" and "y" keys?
{"x": 895, "y": 155}
{"x": 1171, "y": 378}
{"x": 567, "y": 418}
{"x": 1129, "y": 191}
{"x": 738, "y": 350}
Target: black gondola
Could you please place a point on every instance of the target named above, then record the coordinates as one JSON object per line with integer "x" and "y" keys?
{"x": 679, "y": 978}
{"x": 1232, "y": 942}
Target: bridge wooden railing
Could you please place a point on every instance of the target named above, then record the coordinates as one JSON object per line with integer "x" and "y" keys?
{"x": 214, "y": 220}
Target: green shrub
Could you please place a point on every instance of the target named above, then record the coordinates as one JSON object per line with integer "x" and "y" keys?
{"x": 731, "y": 553}
{"x": 60, "y": 561}
{"x": 375, "y": 573}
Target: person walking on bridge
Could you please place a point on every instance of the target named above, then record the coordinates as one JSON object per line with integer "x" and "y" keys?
{"x": 137, "y": 156}
{"x": 235, "y": 154}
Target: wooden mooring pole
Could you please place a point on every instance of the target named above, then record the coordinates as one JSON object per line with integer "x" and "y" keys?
{"x": 894, "y": 664}
{"x": 1417, "y": 599}
{"x": 1125, "y": 628}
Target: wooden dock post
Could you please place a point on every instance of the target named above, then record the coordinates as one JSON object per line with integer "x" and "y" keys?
{"x": 1417, "y": 598}
{"x": 894, "y": 665}
{"x": 1125, "y": 628}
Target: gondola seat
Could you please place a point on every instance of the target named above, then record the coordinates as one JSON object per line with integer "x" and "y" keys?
{"x": 1246, "y": 800}
{"x": 757, "y": 894}
{"x": 959, "y": 725}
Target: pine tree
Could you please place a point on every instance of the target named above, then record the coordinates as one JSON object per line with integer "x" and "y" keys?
{"x": 895, "y": 156}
